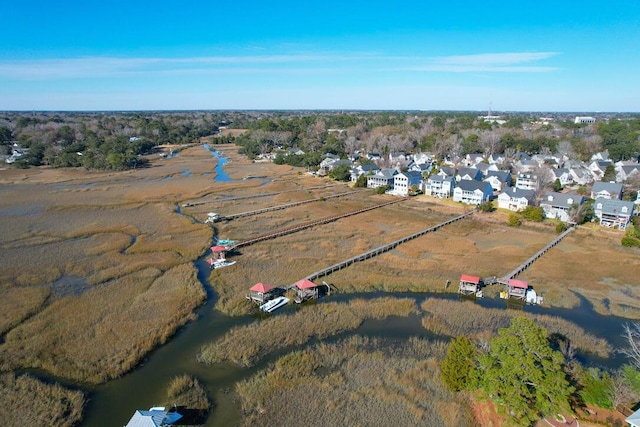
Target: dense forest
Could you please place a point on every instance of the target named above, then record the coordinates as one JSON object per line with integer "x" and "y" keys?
{"x": 119, "y": 140}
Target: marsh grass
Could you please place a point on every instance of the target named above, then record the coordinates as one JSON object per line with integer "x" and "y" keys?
{"x": 96, "y": 336}
{"x": 54, "y": 405}
{"x": 245, "y": 345}
{"x": 357, "y": 381}
{"x": 455, "y": 318}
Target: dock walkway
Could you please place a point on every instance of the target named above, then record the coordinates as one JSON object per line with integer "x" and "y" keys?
{"x": 311, "y": 224}
{"x": 537, "y": 255}
{"x": 285, "y": 206}
{"x": 380, "y": 250}
{"x": 255, "y": 196}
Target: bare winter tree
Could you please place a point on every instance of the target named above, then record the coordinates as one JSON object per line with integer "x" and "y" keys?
{"x": 631, "y": 333}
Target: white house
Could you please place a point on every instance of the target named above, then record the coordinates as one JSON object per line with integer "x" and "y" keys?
{"x": 472, "y": 192}
{"x": 584, "y": 120}
{"x": 613, "y": 212}
{"x": 440, "y": 186}
{"x": 599, "y": 167}
{"x": 527, "y": 181}
{"x": 468, "y": 174}
{"x": 563, "y": 175}
{"x": 499, "y": 179}
{"x": 606, "y": 190}
{"x": 516, "y": 199}
{"x": 363, "y": 170}
{"x": 559, "y": 205}
{"x": 382, "y": 178}
{"x": 403, "y": 182}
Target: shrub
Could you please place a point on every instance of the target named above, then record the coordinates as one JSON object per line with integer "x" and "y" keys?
{"x": 630, "y": 242}
{"x": 561, "y": 227}
{"x": 486, "y": 206}
{"x": 515, "y": 220}
{"x": 533, "y": 213}
{"x": 381, "y": 190}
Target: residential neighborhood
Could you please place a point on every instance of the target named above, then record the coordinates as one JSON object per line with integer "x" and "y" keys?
{"x": 555, "y": 183}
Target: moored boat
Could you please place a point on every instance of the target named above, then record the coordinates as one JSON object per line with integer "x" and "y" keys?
{"x": 274, "y": 304}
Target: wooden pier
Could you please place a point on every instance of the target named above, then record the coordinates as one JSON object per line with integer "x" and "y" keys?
{"x": 382, "y": 249}
{"x": 527, "y": 263}
{"x": 255, "y": 196}
{"x": 285, "y": 206}
{"x": 300, "y": 227}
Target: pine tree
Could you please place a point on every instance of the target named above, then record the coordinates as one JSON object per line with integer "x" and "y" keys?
{"x": 523, "y": 374}
{"x": 459, "y": 364}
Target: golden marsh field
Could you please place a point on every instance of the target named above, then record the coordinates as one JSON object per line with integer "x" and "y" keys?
{"x": 98, "y": 267}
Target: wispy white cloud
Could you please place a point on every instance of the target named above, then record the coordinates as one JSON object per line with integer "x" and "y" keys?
{"x": 91, "y": 67}
{"x": 486, "y": 62}
{"x": 122, "y": 67}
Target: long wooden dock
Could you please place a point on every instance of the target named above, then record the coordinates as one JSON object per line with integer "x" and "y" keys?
{"x": 537, "y": 255}
{"x": 382, "y": 249}
{"x": 300, "y": 227}
{"x": 285, "y": 206}
{"x": 255, "y": 196}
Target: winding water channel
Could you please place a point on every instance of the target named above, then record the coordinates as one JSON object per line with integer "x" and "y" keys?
{"x": 113, "y": 403}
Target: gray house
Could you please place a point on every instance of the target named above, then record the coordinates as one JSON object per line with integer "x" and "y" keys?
{"x": 558, "y": 205}
{"x": 606, "y": 190}
{"x": 384, "y": 177}
{"x": 613, "y": 212}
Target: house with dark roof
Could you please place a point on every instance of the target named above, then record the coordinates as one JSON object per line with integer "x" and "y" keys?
{"x": 559, "y": 205}
{"x": 468, "y": 174}
{"x": 613, "y": 212}
{"x": 563, "y": 175}
{"x": 472, "y": 192}
{"x": 516, "y": 199}
{"x": 606, "y": 190}
{"x": 403, "y": 181}
{"x": 439, "y": 186}
{"x": 499, "y": 179}
{"x": 598, "y": 168}
{"x": 383, "y": 177}
{"x": 369, "y": 169}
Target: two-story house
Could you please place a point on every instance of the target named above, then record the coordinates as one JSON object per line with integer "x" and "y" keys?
{"x": 382, "y": 178}
{"x": 559, "y": 205}
{"x": 613, "y": 212}
{"x": 516, "y": 199}
{"x": 499, "y": 179}
{"x": 403, "y": 182}
{"x": 468, "y": 174}
{"x": 472, "y": 192}
{"x": 606, "y": 190}
{"x": 440, "y": 186}
{"x": 527, "y": 181}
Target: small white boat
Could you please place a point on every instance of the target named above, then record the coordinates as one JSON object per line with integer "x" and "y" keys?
{"x": 274, "y": 304}
{"x": 219, "y": 263}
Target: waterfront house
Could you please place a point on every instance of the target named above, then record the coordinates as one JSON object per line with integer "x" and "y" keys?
{"x": 606, "y": 190}
{"x": 359, "y": 170}
{"x": 383, "y": 177}
{"x": 472, "y": 192}
{"x": 440, "y": 186}
{"x": 613, "y": 212}
{"x": 403, "y": 182}
{"x": 499, "y": 179}
{"x": 516, "y": 199}
{"x": 559, "y": 205}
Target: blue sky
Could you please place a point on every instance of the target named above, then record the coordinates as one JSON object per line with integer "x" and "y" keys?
{"x": 522, "y": 56}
